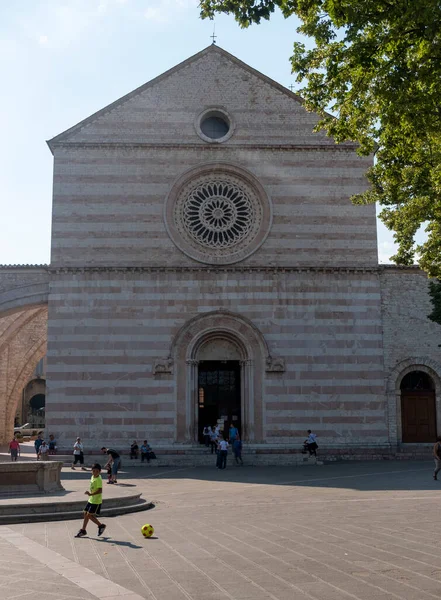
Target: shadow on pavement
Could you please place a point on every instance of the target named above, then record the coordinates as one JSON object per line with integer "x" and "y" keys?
{"x": 107, "y": 540}
{"x": 365, "y": 476}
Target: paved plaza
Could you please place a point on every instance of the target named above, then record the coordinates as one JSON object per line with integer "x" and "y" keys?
{"x": 341, "y": 531}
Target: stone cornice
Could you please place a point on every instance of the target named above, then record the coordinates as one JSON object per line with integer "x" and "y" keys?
{"x": 224, "y": 269}
{"x": 200, "y": 268}
{"x": 345, "y": 147}
{"x": 24, "y": 267}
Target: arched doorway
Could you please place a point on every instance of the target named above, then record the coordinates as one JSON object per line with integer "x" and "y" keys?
{"x": 418, "y": 408}
{"x": 219, "y": 337}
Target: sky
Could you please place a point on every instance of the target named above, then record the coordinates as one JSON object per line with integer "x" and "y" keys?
{"x": 62, "y": 60}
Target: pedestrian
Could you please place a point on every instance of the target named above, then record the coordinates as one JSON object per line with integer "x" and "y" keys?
{"x": 93, "y": 506}
{"x": 233, "y": 433}
{"x": 14, "y": 449}
{"x": 37, "y": 445}
{"x": 52, "y": 445}
{"x": 145, "y": 451}
{"x": 78, "y": 454}
{"x": 116, "y": 461}
{"x": 206, "y": 434}
{"x": 437, "y": 457}
{"x": 43, "y": 451}
{"x": 222, "y": 452}
{"x": 213, "y": 439}
{"x": 134, "y": 451}
{"x": 310, "y": 444}
{"x": 237, "y": 450}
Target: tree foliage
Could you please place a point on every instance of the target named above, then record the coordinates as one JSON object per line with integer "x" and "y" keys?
{"x": 376, "y": 66}
{"x": 435, "y": 296}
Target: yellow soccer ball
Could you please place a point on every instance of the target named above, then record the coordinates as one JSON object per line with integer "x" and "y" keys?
{"x": 147, "y": 530}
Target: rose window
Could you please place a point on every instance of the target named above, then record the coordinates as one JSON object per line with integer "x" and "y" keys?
{"x": 217, "y": 215}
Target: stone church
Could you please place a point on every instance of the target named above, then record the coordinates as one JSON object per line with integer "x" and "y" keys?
{"x": 209, "y": 268}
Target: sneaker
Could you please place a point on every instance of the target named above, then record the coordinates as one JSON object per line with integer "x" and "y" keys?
{"x": 101, "y": 529}
{"x": 73, "y": 468}
{"x": 83, "y": 469}
{"x": 81, "y": 533}
{"x": 110, "y": 482}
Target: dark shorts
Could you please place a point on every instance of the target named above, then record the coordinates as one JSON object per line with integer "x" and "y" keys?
{"x": 92, "y": 509}
{"x": 78, "y": 457}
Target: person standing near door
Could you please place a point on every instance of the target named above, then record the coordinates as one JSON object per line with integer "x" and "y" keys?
{"x": 233, "y": 434}
{"x": 222, "y": 453}
{"x": 213, "y": 439}
{"x": 206, "y": 434}
{"x": 437, "y": 457}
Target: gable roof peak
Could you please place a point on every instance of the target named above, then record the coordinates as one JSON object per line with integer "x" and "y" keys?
{"x": 64, "y": 136}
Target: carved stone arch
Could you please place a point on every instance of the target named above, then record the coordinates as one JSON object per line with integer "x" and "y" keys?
{"x": 253, "y": 351}
{"x": 393, "y": 391}
{"x": 225, "y": 319}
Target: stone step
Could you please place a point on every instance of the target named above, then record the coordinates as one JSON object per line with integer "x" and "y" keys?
{"x": 197, "y": 459}
{"x": 50, "y": 511}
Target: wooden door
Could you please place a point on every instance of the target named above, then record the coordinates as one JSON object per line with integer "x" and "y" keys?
{"x": 418, "y": 416}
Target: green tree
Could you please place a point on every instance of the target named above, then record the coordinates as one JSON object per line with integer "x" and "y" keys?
{"x": 376, "y": 66}
{"x": 435, "y": 297}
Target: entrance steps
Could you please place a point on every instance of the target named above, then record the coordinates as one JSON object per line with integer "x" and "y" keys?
{"x": 199, "y": 456}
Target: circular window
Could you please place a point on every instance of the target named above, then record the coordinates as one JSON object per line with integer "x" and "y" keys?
{"x": 219, "y": 215}
{"x": 214, "y": 125}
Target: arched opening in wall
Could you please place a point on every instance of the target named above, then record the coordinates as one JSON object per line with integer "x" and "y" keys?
{"x": 418, "y": 408}
{"x": 33, "y": 404}
{"x": 37, "y": 406}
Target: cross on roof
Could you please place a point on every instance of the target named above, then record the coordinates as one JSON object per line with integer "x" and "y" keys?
{"x": 214, "y": 36}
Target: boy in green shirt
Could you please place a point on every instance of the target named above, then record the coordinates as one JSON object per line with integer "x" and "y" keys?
{"x": 93, "y": 507}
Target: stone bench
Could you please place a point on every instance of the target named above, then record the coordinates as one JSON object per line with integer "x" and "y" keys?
{"x": 30, "y": 477}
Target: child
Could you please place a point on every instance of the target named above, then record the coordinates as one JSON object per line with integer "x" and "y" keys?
{"x": 108, "y": 468}
{"x": 134, "y": 450}
{"x": 145, "y": 451}
{"x": 93, "y": 507}
{"x": 14, "y": 449}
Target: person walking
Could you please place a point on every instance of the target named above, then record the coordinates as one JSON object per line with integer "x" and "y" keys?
{"x": 37, "y": 445}
{"x": 437, "y": 457}
{"x": 222, "y": 454}
{"x": 237, "y": 450}
{"x": 14, "y": 449}
{"x": 116, "y": 461}
{"x": 93, "y": 506}
{"x": 78, "y": 454}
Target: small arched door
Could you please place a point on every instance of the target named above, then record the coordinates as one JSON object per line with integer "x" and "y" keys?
{"x": 418, "y": 408}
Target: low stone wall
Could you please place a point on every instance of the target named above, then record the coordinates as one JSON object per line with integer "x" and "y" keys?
{"x": 28, "y": 477}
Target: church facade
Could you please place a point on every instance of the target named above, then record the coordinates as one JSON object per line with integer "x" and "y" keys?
{"x": 209, "y": 268}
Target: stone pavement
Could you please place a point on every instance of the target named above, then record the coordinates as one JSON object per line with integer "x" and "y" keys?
{"x": 339, "y": 532}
